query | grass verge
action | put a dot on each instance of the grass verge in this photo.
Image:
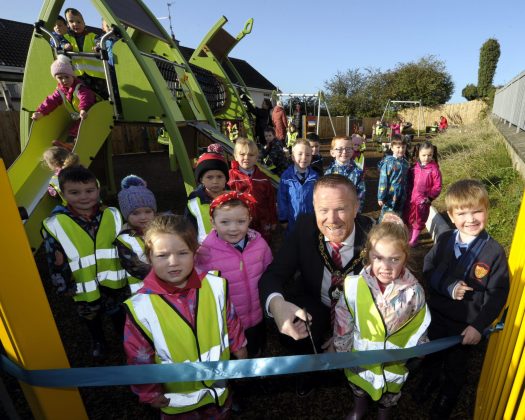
(478, 151)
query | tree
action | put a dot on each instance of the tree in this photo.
(488, 61)
(365, 93)
(470, 92)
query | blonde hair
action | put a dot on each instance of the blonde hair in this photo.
(242, 143)
(173, 224)
(59, 158)
(301, 142)
(466, 193)
(332, 144)
(393, 231)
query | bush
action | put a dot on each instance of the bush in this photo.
(470, 92)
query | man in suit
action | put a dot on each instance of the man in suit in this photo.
(314, 260)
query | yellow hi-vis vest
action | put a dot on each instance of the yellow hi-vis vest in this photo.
(360, 161)
(201, 212)
(92, 262)
(72, 107)
(175, 341)
(136, 244)
(370, 334)
(90, 65)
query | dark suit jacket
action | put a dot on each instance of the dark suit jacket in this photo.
(300, 253)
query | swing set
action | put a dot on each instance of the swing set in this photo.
(318, 101)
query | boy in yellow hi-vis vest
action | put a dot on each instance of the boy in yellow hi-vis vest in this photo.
(76, 97)
(82, 259)
(180, 316)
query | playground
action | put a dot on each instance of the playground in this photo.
(188, 104)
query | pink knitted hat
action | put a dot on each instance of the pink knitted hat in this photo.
(62, 65)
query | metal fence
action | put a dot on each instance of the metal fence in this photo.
(509, 102)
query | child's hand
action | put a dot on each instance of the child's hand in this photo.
(380, 203)
(160, 401)
(471, 336)
(459, 291)
(83, 114)
(36, 116)
(242, 353)
(328, 345)
(68, 47)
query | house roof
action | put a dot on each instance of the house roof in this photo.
(16, 36)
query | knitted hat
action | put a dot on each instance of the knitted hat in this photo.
(62, 65)
(135, 194)
(208, 162)
(215, 148)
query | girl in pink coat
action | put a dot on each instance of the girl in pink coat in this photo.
(424, 183)
(241, 255)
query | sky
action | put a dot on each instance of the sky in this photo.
(299, 45)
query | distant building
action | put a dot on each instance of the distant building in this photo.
(15, 38)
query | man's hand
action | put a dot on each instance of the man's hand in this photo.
(459, 291)
(380, 203)
(289, 318)
(471, 336)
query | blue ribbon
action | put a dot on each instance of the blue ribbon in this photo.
(205, 371)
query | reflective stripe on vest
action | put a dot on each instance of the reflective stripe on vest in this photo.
(90, 65)
(370, 334)
(203, 222)
(91, 262)
(175, 341)
(360, 161)
(72, 107)
(136, 244)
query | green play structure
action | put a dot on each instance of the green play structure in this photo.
(188, 101)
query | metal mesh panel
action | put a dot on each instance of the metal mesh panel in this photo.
(212, 88)
(169, 73)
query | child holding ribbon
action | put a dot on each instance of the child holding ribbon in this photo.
(241, 255)
(181, 316)
(381, 308)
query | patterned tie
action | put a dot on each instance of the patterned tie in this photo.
(336, 279)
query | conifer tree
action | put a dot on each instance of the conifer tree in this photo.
(488, 61)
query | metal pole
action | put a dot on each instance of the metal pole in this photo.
(318, 114)
(329, 116)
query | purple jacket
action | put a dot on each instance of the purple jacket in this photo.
(424, 182)
(242, 270)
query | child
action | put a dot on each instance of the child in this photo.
(383, 307)
(395, 128)
(82, 259)
(317, 159)
(291, 136)
(70, 92)
(56, 159)
(59, 30)
(138, 207)
(273, 154)
(246, 177)
(468, 279)
(89, 69)
(241, 255)
(296, 188)
(358, 155)
(180, 316)
(211, 174)
(393, 170)
(424, 185)
(342, 151)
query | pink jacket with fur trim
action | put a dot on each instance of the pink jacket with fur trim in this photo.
(242, 270)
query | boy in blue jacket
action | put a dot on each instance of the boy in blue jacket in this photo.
(296, 188)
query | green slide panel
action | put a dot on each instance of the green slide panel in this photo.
(29, 178)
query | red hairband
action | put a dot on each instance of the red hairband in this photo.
(246, 198)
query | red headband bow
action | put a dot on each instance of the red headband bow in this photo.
(246, 198)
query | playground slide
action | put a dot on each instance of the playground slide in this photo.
(29, 178)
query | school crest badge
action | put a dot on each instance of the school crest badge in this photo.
(481, 270)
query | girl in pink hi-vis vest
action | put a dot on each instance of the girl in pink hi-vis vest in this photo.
(241, 255)
(424, 185)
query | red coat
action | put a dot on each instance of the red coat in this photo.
(280, 122)
(260, 186)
